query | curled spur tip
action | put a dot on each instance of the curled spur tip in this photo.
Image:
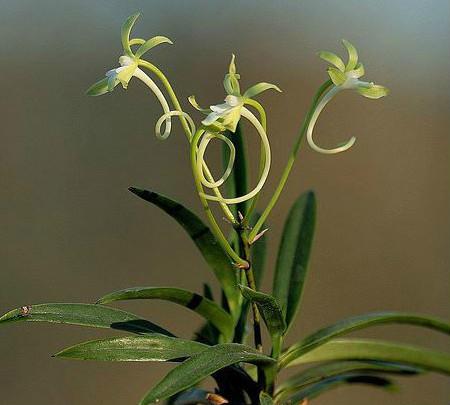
(309, 134)
(208, 136)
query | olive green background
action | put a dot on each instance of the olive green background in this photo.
(71, 232)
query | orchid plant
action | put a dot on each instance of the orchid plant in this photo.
(245, 373)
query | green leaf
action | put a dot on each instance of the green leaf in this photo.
(154, 347)
(195, 302)
(259, 88)
(190, 397)
(200, 366)
(151, 43)
(327, 384)
(318, 373)
(376, 350)
(205, 242)
(360, 322)
(93, 315)
(99, 88)
(270, 310)
(265, 399)
(293, 255)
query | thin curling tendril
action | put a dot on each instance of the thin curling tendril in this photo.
(264, 173)
(208, 137)
(309, 134)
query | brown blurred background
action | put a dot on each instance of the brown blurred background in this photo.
(71, 231)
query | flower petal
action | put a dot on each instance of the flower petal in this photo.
(231, 119)
(375, 91)
(212, 117)
(358, 71)
(99, 88)
(151, 43)
(259, 88)
(336, 76)
(232, 67)
(194, 104)
(231, 80)
(220, 108)
(333, 59)
(136, 41)
(125, 73)
(125, 33)
(352, 55)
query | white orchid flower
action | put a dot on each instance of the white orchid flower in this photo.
(344, 77)
(226, 116)
(130, 63)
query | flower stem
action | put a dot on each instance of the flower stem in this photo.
(290, 163)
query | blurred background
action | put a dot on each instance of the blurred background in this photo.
(70, 230)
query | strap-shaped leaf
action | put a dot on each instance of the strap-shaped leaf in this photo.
(154, 347)
(201, 366)
(293, 255)
(327, 384)
(205, 242)
(270, 310)
(318, 373)
(221, 319)
(360, 322)
(93, 315)
(377, 350)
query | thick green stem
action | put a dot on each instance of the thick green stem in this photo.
(290, 163)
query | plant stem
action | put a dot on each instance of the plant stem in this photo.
(257, 336)
(290, 163)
